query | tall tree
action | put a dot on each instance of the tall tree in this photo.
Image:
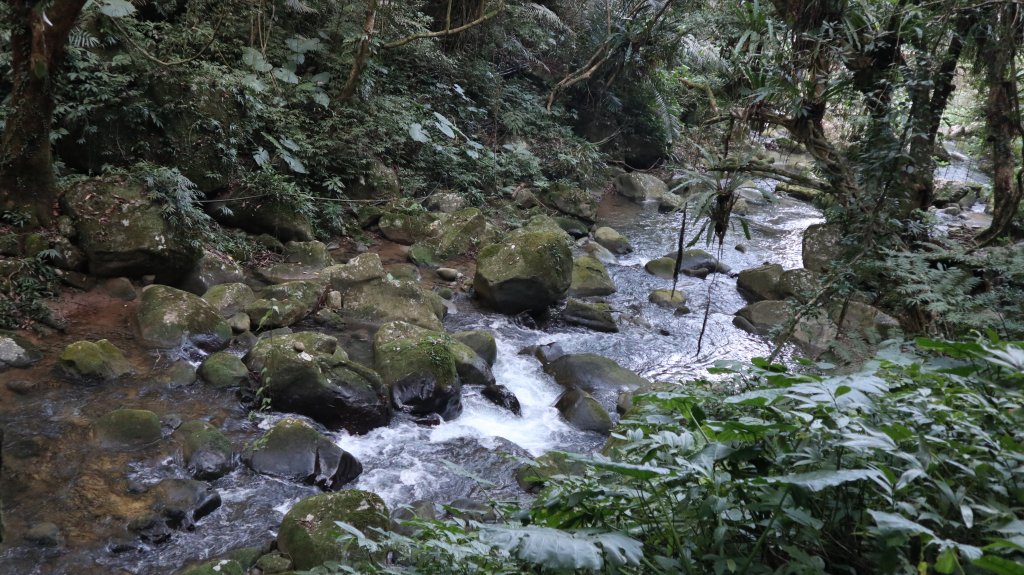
(39, 37)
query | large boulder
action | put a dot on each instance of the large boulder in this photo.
(284, 304)
(259, 213)
(229, 299)
(295, 451)
(480, 341)
(530, 270)
(571, 200)
(205, 451)
(308, 533)
(594, 374)
(590, 278)
(16, 351)
(307, 373)
(457, 234)
(811, 334)
(594, 316)
(359, 270)
(821, 246)
(612, 240)
(639, 187)
(168, 318)
(418, 367)
(93, 362)
(408, 227)
(584, 412)
(800, 284)
(212, 269)
(123, 232)
(387, 300)
(760, 283)
(865, 320)
(376, 181)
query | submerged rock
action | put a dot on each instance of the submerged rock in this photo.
(308, 533)
(590, 278)
(127, 429)
(295, 451)
(168, 318)
(93, 361)
(584, 412)
(530, 270)
(206, 452)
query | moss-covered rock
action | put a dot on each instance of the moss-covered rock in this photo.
(206, 452)
(168, 317)
(812, 334)
(306, 373)
(760, 283)
(360, 269)
(217, 567)
(821, 246)
(801, 193)
(295, 451)
(309, 536)
(127, 429)
(590, 278)
(419, 369)
(532, 477)
(599, 252)
(661, 267)
(281, 219)
(457, 234)
(403, 272)
(183, 502)
(594, 316)
(408, 227)
(123, 232)
(284, 304)
(480, 341)
(612, 240)
(230, 298)
(668, 299)
(273, 564)
(223, 369)
(394, 300)
(445, 202)
(376, 181)
(670, 202)
(800, 284)
(597, 375)
(302, 261)
(571, 200)
(530, 270)
(583, 411)
(638, 186)
(93, 361)
(698, 263)
(16, 351)
(212, 269)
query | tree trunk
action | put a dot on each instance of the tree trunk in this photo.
(38, 43)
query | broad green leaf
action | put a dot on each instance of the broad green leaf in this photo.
(620, 549)
(417, 134)
(818, 480)
(552, 548)
(322, 99)
(254, 59)
(893, 523)
(294, 164)
(999, 565)
(286, 75)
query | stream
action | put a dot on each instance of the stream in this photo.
(52, 476)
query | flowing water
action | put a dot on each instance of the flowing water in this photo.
(88, 496)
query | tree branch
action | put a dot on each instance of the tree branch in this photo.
(447, 31)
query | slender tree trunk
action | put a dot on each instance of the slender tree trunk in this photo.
(39, 35)
(362, 53)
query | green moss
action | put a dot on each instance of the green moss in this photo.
(100, 360)
(309, 535)
(127, 428)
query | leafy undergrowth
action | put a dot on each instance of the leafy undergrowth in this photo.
(913, 465)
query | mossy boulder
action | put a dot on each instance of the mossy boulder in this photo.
(670, 202)
(359, 270)
(408, 227)
(530, 270)
(612, 240)
(583, 412)
(273, 564)
(307, 373)
(123, 232)
(760, 283)
(639, 187)
(418, 367)
(205, 451)
(599, 252)
(597, 375)
(302, 261)
(698, 263)
(445, 202)
(127, 429)
(376, 181)
(457, 234)
(222, 370)
(394, 300)
(230, 298)
(867, 321)
(668, 299)
(590, 278)
(16, 351)
(183, 502)
(533, 476)
(295, 451)
(802, 193)
(480, 341)
(281, 219)
(284, 304)
(93, 361)
(308, 533)
(800, 284)
(661, 267)
(575, 228)
(593, 316)
(571, 200)
(812, 334)
(821, 246)
(169, 317)
(212, 269)
(217, 567)
(471, 367)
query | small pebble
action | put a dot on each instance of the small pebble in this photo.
(299, 346)
(21, 386)
(741, 248)
(448, 274)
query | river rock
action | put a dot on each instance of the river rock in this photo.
(800, 284)
(316, 379)
(480, 341)
(281, 219)
(403, 272)
(448, 274)
(44, 534)
(295, 451)
(359, 270)
(698, 263)
(230, 298)
(212, 269)
(661, 267)
(223, 369)
(457, 234)
(583, 411)
(309, 536)
(821, 246)
(217, 567)
(812, 334)
(168, 318)
(418, 367)
(865, 320)
(545, 353)
(127, 429)
(183, 502)
(303, 261)
(93, 362)
(123, 232)
(530, 270)
(284, 304)
(119, 288)
(206, 452)
(597, 375)
(599, 252)
(668, 299)
(387, 300)
(532, 476)
(571, 200)
(445, 202)
(670, 202)
(639, 187)
(756, 284)
(408, 227)
(612, 240)
(502, 397)
(273, 564)
(16, 351)
(594, 316)
(590, 278)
